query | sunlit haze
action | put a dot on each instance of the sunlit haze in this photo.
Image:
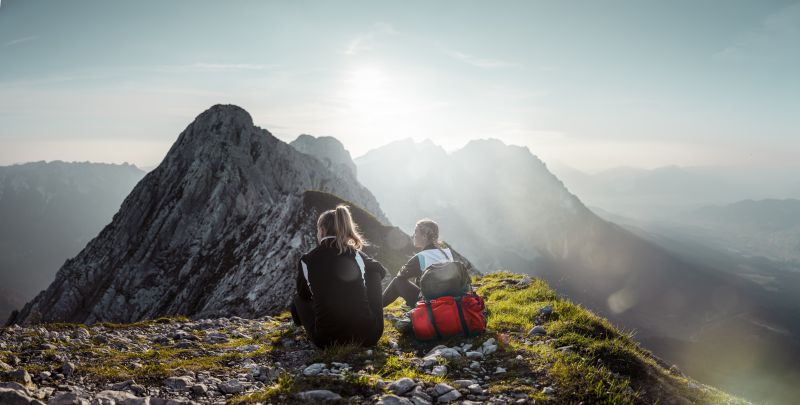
(586, 84)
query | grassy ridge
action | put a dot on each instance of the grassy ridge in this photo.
(589, 359)
(583, 356)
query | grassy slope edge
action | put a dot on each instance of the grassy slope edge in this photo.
(583, 356)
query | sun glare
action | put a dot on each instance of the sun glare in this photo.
(367, 85)
(380, 104)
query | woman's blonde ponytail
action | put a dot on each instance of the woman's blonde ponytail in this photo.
(339, 224)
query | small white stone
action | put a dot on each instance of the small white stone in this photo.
(314, 369)
(439, 370)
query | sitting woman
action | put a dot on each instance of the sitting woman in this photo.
(406, 283)
(339, 287)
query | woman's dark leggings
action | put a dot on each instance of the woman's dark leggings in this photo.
(401, 287)
(303, 313)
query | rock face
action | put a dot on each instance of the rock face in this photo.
(328, 150)
(215, 229)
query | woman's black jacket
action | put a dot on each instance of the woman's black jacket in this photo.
(346, 306)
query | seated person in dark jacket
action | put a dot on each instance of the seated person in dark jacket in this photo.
(406, 283)
(339, 287)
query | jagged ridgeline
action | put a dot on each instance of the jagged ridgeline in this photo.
(215, 230)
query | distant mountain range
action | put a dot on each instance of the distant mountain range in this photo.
(505, 209)
(768, 228)
(9, 301)
(48, 212)
(658, 194)
(503, 206)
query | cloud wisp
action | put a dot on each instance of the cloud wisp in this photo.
(778, 30)
(366, 42)
(201, 67)
(483, 63)
(20, 40)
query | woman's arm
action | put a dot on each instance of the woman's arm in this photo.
(374, 272)
(411, 269)
(374, 266)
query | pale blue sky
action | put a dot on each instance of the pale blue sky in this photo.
(588, 83)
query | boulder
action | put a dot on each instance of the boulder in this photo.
(402, 386)
(319, 396)
(9, 396)
(231, 386)
(179, 383)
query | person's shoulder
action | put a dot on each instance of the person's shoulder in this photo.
(413, 262)
(435, 249)
(317, 251)
(364, 254)
(366, 257)
(414, 257)
(424, 252)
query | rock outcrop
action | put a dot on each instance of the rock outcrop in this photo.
(328, 150)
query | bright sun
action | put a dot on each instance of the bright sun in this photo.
(367, 85)
(382, 104)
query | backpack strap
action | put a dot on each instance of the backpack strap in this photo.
(464, 326)
(446, 256)
(433, 320)
(468, 281)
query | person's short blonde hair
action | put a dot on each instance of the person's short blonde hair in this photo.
(429, 229)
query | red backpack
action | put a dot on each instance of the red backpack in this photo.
(449, 316)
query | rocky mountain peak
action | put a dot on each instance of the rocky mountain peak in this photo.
(213, 133)
(216, 228)
(221, 120)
